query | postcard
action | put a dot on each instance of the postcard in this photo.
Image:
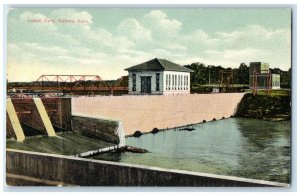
(149, 96)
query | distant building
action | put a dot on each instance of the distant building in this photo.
(261, 76)
(157, 77)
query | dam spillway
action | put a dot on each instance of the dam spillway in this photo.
(147, 112)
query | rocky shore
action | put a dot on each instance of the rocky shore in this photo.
(271, 108)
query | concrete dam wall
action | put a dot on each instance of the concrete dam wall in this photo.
(147, 112)
(25, 168)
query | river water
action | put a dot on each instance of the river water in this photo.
(236, 146)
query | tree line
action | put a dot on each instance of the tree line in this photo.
(209, 74)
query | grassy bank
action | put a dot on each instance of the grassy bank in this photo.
(208, 88)
(276, 107)
(66, 143)
(273, 93)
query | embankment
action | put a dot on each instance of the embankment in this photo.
(104, 130)
(147, 112)
(273, 108)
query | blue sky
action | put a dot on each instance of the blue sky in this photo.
(112, 39)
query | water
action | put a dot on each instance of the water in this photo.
(238, 147)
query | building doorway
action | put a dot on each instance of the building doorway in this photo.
(146, 84)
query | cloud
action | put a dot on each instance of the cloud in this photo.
(227, 56)
(255, 36)
(132, 29)
(247, 44)
(256, 43)
(91, 49)
(160, 24)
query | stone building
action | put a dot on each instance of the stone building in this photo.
(158, 77)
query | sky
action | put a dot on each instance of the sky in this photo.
(105, 41)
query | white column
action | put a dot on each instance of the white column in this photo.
(13, 117)
(44, 116)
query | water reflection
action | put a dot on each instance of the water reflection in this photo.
(240, 147)
(266, 150)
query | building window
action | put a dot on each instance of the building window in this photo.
(157, 81)
(187, 82)
(167, 82)
(175, 82)
(181, 82)
(133, 82)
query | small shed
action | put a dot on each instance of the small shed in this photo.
(158, 77)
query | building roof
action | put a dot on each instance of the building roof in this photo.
(158, 65)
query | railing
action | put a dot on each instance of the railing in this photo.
(33, 95)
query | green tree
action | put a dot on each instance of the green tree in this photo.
(285, 77)
(242, 74)
(199, 76)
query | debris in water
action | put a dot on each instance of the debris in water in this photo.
(135, 149)
(187, 129)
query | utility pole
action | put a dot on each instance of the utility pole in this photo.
(209, 66)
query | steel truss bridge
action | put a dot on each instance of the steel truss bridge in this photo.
(73, 83)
